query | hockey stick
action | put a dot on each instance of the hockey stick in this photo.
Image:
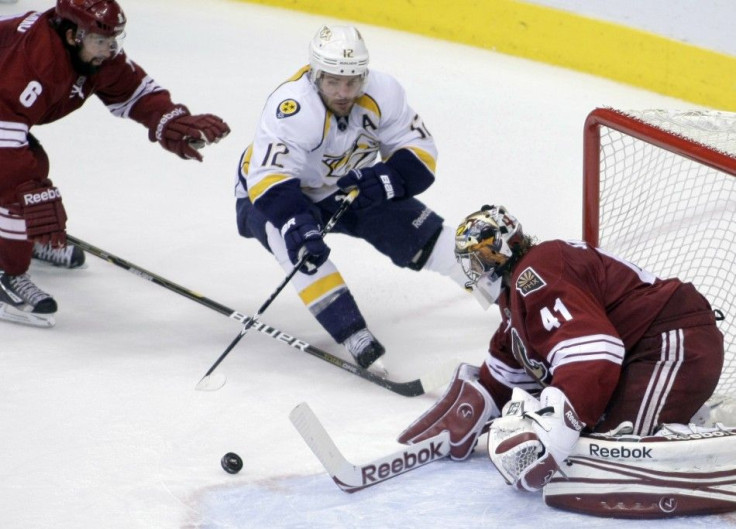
(412, 388)
(352, 478)
(207, 383)
(420, 386)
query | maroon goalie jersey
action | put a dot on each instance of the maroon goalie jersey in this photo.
(568, 318)
(39, 85)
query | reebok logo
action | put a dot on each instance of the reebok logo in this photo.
(47, 195)
(178, 111)
(465, 411)
(668, 504)
(406, 461)
(623, 452)
(571, 419)
(701, 435)
(417, 222)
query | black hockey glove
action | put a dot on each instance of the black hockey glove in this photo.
(376, 184)
(302, 236)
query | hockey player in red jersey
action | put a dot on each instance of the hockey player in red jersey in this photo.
(587, 342)
(52, 62)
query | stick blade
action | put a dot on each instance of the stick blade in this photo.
(352, 478)
(318, 440)
(211, 382)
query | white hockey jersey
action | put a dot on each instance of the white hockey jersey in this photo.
(299, 138)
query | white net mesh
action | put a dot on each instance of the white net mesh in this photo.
(512, 446)
(672, 215)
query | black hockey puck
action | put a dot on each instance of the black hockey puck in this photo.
(231, 462)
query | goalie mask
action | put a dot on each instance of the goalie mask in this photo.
(486, 243)
(338, 50)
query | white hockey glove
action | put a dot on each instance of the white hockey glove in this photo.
(529, 444)
(464, 410)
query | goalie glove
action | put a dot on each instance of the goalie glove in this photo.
(529, 444)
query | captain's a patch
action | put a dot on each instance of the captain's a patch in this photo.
(288, 107)
(529, 281)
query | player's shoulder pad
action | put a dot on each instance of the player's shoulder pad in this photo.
(386, 91)
(295, 113)
(39, 44)
(382, 83)
(542, 266)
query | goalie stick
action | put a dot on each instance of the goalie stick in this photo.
(352, 478)
(412, 388)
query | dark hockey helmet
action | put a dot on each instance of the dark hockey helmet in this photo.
(102, 17)
(487, 242)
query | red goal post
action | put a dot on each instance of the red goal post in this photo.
(659, 190)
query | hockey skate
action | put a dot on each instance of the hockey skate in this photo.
(69, 256)
(366, 350)
(21, 301)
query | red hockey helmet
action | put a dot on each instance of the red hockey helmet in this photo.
(103, 17)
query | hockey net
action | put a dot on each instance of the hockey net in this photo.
(660, 191)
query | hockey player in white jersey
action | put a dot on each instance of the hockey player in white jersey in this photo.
(333, 126)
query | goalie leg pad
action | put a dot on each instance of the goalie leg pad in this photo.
(683, 470)
(463, 410)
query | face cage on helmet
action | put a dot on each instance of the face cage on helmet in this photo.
(473, 267)
(482, 261)
(116, 41)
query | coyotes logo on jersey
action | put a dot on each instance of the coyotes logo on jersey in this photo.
(529, 281)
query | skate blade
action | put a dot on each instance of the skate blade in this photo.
(9, 313)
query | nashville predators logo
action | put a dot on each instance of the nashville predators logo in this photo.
(288, 107)
(529, 281)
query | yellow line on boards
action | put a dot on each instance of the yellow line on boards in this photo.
(552, 36)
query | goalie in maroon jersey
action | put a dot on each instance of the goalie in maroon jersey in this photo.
(52, 62)
(587, 343)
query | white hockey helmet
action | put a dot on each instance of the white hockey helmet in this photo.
(487, 241)
(338, 50)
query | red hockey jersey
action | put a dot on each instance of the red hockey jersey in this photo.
(568, 318)
(39, 85)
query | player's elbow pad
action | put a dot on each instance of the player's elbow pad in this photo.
(415, 175)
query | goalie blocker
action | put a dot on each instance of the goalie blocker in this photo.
(463, 410)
